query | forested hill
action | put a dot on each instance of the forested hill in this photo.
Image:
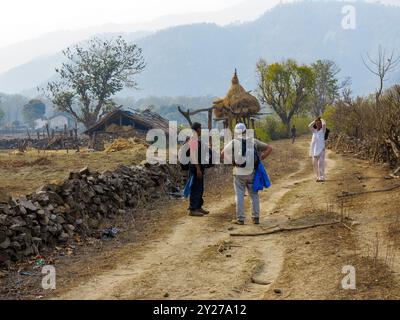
(199, 59)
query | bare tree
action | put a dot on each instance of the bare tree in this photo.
(381, 66)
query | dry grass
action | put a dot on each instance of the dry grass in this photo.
(23, 173)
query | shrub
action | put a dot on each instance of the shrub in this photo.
(272, 128)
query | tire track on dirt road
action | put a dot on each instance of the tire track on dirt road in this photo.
(198, 259)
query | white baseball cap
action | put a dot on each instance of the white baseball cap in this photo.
(240, 128)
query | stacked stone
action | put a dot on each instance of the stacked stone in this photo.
(55, 213)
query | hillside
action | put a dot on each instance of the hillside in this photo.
(199, 59)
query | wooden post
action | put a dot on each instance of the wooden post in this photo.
(210, 116)
(48, 130)
(38, 135)
(65, 130)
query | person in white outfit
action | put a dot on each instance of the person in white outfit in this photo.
(317, 148)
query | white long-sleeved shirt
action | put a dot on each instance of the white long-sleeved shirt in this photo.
(318, 139)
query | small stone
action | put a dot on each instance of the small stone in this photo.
(3, 219)
(40, 213)
(93, 223)
(70, 227)
(3, 236)
(16, 245)
(84, 171)
(22, 210)
(27, 204)
(278, 291)
(63, 237)
(45, 221)
(166, 295)
(60, 220)
(98, 189)
(5, 244)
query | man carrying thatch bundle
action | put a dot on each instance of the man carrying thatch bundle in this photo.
(247, 174)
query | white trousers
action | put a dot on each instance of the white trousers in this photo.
(319, 165)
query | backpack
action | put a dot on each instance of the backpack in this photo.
(244, 151)
(327, 131)
(184, 167)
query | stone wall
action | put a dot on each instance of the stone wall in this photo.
(55, 213)
(350, 145)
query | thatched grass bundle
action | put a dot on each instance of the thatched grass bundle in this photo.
(238, 100)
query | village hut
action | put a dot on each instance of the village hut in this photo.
(238, 104)
(119, 121)
(124, 124)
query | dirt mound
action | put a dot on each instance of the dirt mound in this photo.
(121, 144)
(42, 161)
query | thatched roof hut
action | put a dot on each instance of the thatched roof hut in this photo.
(237, 103)
(123, 120)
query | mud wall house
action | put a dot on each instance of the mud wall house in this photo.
(60, 121)
(40, 124)
(123, 123)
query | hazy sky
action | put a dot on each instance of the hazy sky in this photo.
(24, 19)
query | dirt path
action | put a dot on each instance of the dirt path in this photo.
(196, 258)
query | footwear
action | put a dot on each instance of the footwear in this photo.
(239, 222)
(203, 211)
(195, 213)
(256, 220)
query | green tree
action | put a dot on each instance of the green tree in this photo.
(326, 86)
(92, 75)
(286, 87)
(34, 109)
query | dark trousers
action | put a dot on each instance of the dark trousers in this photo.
(197, 191)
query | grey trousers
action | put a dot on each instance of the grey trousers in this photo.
(241, 183)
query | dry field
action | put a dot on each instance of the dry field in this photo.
(22, 173)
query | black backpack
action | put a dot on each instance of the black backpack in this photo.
(186, 167)
(244, 151)
(327, 131)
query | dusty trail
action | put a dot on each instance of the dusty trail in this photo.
(197, 258)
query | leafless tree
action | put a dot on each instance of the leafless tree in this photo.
(381, 66)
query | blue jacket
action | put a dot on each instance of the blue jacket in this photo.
(261, 179)
(188, 186)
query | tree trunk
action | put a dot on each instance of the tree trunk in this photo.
(287, 124)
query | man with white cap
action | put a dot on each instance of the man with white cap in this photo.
(244, 152)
